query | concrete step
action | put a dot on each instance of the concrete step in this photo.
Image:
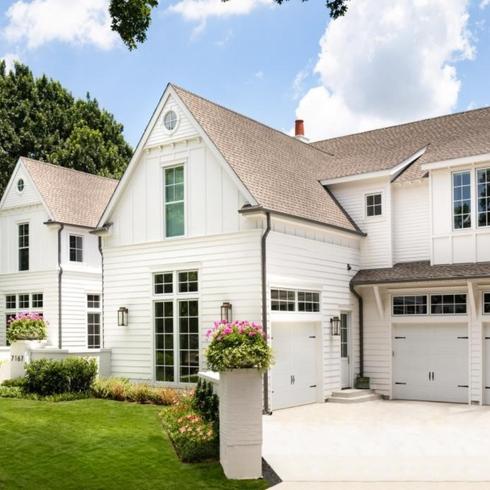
(353, 396)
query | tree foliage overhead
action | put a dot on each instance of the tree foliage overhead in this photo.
(132, 18)
(40, 119)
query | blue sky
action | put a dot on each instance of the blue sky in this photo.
(266, 61)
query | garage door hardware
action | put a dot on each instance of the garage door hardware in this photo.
(312, 386)
(487, 338)
(463, 337)
(463, 386)
(398, 383)
(431, 375)
(487, 387)
(293, 379)
(400, 337)
(312, 337)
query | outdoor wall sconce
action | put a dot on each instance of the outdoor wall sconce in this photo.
(122, 317)
(226, 310)
(335, 325)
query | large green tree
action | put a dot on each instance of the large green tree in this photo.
(40, 119)
(132, 18)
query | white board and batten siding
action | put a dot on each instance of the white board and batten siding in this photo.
(451, 246)
(303, 258)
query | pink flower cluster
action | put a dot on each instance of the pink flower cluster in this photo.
(26, 315)
(223, 328)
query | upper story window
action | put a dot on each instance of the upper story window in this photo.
(174, 201)
(76, 248)
(483, 192)
(23, 234)
(462, 200)
(374, 204)
(170, 120)
(20, 185)
(410, 305)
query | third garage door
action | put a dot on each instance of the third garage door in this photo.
(430, 362)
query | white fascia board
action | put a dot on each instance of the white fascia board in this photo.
(141, 147)
(454, 162)
(380, 173)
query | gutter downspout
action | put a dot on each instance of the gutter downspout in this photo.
(102, 291)
(361, 328)
(60, 282)
(264, 303)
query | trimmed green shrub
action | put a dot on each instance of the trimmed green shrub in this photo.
(17, 382)
(238, 345)
(26, 326)
(123, 390)
(16, 392)
(194, 438)
(50, 377)
(206, 402)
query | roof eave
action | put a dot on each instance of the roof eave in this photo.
(454, 162)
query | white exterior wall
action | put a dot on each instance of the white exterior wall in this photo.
(229, 270)
(300, 257)
(376, 248)
(411, 222)
(455, 246)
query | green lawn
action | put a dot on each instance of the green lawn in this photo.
(88, 444)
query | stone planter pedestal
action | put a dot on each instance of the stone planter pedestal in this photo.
(20, 354)
(240, 412)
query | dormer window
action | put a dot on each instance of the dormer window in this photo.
(20, 185)
(374, 204)
(76, 248)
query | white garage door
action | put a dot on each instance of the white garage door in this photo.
(294, 376)
(430, 362)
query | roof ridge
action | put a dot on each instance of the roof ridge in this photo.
(62, 167)
(308, 145)
(442, 116)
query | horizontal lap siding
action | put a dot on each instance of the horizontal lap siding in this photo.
(303, 262)
(32, 282)
(229, 269)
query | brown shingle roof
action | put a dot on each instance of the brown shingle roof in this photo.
(421, 271)
(72, 197)
(280, 172)
(452, 136)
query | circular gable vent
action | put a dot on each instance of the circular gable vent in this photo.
(170, 120)
(20, 185)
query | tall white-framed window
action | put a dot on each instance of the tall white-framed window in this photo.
(174, 201)
(23, 243)
(93, 321)
(483, 196)
(461, 200)
(374, 204)
(76, 248)
(176, 325)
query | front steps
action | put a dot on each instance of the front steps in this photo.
(351, 395)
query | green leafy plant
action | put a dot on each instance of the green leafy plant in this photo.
(26, 326)
(206, 402)
(194, 438)
(50, 377)
(238, 345)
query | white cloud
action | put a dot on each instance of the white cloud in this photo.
(259, 75)
(38, 22)
(201, 10)
(386, 62)
(298, 82)
(484, 3)
(10, 59)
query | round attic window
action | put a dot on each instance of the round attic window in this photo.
(170, 120)
(20, 185)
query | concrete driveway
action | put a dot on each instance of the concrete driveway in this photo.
(379, 441)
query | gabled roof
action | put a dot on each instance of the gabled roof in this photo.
(422, 271)
(282, 173)
(72, 197)
(448, 137)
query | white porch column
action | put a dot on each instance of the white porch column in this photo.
(240, 412)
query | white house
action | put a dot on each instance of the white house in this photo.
(49, 261)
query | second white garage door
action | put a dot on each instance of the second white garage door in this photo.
(294, 375)
(430, 362)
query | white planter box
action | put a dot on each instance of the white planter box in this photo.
(240, 412)
(20, 354)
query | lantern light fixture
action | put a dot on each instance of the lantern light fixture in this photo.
(335, 325)
(122, 317)
(226, 312)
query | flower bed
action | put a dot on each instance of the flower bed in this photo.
(26, 326)
(238, 345)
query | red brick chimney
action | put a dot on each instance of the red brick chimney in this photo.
(299, 130)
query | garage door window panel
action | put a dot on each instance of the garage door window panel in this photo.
(283, 300)
(448, 304)
(486, 303)
(409, 305)
(308, 301)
